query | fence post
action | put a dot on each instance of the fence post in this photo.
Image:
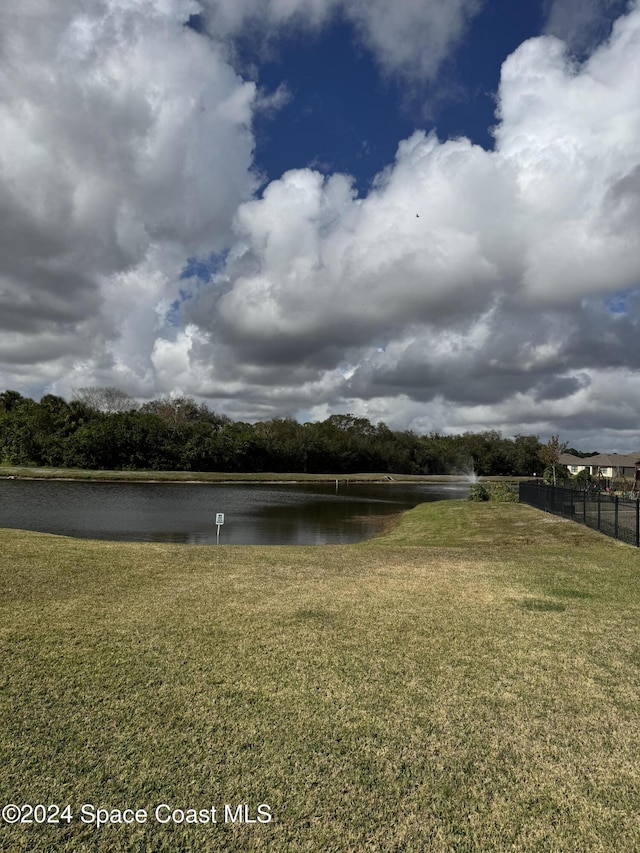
(615, 522)
(584, 507)
(637, 522)
(598, 510)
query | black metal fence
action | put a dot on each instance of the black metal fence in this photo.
(610, 514)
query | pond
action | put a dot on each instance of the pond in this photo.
(254, 513)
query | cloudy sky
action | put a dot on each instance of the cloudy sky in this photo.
(420, 212)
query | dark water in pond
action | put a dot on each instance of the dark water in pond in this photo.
(255, 514)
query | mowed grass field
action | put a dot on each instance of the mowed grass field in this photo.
(469, 681)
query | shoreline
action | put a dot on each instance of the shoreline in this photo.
(227, 478)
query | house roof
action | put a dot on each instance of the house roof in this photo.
(570, 459)
(602, 460)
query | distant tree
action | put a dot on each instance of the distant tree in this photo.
(396, 452)
(549, 455)
(20, 430)
(436, 453)
(340, 444)
(465, 462)
(104, 427)
(47, 424)
(177, 412)
(108, 400)
(126, 440)
(481, 452)
(78, 413)
(236, 448)
(281, 444)
(552, 476)
(525, 455)
(10, 400)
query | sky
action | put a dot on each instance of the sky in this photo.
(422, 213)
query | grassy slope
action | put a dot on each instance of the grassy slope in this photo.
(469, 681)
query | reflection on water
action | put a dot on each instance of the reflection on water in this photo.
(256, 513)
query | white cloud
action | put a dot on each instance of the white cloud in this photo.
(316, 268)
(581, 24)
(123, 131)
(227, 17)
(470, 267)
(570, 135)
(411, 38)
(466, 290)
(449, 225)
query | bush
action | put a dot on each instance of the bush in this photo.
(503, 493)
(584, 480)
(478, 492)
(561, 474)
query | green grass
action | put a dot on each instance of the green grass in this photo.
(217, 477)
(466, 682)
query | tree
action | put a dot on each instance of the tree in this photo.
(585, 480)
(282, 444)
(549, 455)
(10, 400)
(435, 453)
(525, 455)
(108, 400)
(17, 420)
(126, 440)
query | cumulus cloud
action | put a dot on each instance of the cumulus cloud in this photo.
(316, 269)
(581, 24)
(470, 289)
(410, 38)
(569, 133)
(466, 277)
(543, 217)
(123, 131)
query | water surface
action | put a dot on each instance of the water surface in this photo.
(255, 513)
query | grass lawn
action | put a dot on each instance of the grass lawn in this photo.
(469, 681)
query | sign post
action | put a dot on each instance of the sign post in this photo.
(219, 523)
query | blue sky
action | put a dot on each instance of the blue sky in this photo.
(418, 212)
(342, 115)
(345, 114)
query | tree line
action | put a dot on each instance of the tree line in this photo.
(104, 428)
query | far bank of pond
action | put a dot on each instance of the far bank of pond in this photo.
(148, 476)
(339, 511)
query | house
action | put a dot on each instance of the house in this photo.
(607, 466)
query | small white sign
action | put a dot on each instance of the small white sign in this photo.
(219, 518)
